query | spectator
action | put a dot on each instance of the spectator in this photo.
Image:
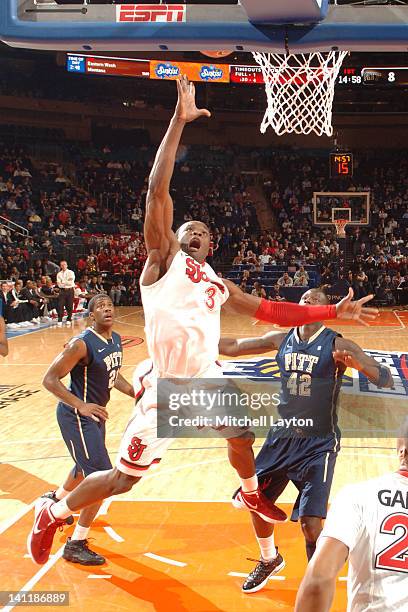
(258, 290)
(115, 293)
(285, 280)
(300, 281)
(66, 284)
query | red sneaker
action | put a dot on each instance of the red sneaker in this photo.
(40, 539)
(258, 502)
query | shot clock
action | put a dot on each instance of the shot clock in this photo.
(341, 164)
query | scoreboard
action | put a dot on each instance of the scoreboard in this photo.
(349, 76)
(379, 76)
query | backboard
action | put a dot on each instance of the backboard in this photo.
(250, 25)
(351, 206)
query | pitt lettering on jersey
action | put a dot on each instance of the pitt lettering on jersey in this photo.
(114, 360)
(389, 498)
(299, 362)
(195, 274)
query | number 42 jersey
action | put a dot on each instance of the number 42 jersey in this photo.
(371, 519)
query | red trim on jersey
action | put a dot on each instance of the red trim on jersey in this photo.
(135, 466)
(142, 389)
(403, 473)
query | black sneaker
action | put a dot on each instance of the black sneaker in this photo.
(77, 551)
(51, 495)
(257, 579)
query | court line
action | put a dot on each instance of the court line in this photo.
(100, 576)
(400, 320)
(16, 517)
(165, 559)
(37, 576)
(112, 533)
(129, 314)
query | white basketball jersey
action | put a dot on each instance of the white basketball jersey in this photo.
(182, 318)
(371, 518)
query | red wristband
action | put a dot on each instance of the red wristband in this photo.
(291, 315)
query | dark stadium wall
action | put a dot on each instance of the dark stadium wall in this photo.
(77, 119)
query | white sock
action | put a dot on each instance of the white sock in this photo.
(249, 485)
(80, 532)
(60, 510)
(60, 493)
(267, 546)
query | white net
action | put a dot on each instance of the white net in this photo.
(299, 90)
(340, 225)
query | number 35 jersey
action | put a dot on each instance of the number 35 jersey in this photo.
(310, 379)
(93, 382)
(371, 519)
(182, 318)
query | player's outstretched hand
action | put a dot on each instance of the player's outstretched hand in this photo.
(186, 108)
(347, 309)
(94, 411)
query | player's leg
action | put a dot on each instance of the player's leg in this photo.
(69, 303)
(241, 457)
(314, 486)
(137, 453)
(87, 440)
(270, 561)
(61, 302)
(311, 528)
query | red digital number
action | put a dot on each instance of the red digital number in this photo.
(395, 556)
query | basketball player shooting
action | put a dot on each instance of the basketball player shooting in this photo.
(182, 298)
(311, 360)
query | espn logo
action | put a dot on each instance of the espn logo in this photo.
(131, 13)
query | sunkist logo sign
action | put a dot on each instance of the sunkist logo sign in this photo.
(166, 71)
(131, 13)
(211, 73)
(353, 381)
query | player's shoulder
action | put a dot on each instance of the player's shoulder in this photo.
(117, 338)
(362, 491)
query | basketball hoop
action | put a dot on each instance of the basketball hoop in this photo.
(340, 225)
(299, 91)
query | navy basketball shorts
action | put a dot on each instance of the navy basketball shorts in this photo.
(85, 440)
(306, 461)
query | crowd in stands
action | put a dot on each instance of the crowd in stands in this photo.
(91, 211)
(372, 259)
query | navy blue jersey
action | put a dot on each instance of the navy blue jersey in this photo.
(310, 379)
(93, 382)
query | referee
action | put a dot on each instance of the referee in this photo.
(66, 284)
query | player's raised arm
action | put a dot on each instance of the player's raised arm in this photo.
(74, 353)
(234, 347)
(158, 232)
(3, 338)
(291, 315)
(352, 356)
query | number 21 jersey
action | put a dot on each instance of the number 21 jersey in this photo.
(371, 519)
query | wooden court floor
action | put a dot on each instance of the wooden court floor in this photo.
(174, 542)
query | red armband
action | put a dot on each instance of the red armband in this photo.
(287, 314)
